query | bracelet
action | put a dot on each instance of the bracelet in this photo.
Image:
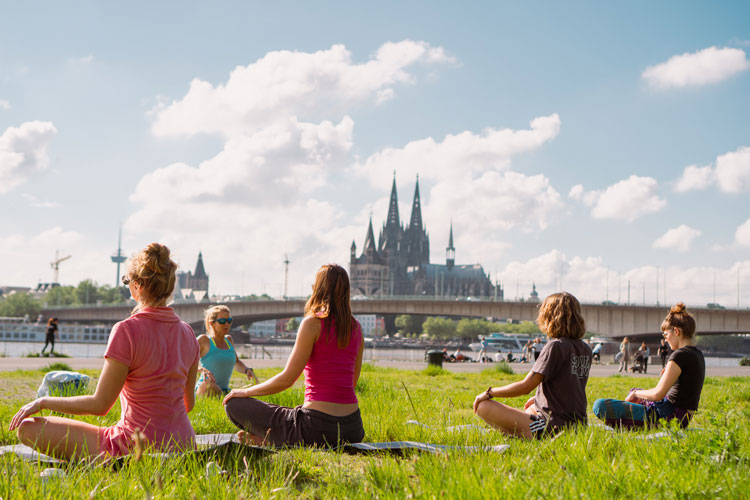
(488, 392)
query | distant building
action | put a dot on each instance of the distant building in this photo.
(534, 295)
(263, 328)
(369, 323)
(193, 284)
(399, 264)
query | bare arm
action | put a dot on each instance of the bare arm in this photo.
(240, 365)
(520, 388)
(108, 388)
(671, 374)
(189, 396)
(308, 333)
(358, 361)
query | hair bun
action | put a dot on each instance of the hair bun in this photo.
(158, 257)
(680, 307)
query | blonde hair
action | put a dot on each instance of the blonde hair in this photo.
(212, 313)
(330, 300)
(154, 270)
(560, 316)
(678, 317)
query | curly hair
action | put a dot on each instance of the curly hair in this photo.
(679, 317)
(154, 270)
(560, 316)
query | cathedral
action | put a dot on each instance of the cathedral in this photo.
(193, 284)
(399, 263)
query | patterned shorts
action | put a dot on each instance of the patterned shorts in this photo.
(538, 426)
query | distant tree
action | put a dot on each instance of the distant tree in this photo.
(473, 328)
(252, 297)
(20, 304)
(406, 323)
(292, 325)
(439, 328)
(87, 292)
(109, 295)
(525, 327)
(60, 296)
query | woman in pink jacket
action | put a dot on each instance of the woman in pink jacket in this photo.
(150, 363)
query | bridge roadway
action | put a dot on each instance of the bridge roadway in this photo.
(606, 320)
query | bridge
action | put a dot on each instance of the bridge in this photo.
(614, 321)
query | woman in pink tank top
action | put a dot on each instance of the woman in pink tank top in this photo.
(328, 349)
(151, 363)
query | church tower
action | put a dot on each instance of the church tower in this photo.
(450, 252)
(417, 241)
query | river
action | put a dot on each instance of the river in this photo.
(254, 351)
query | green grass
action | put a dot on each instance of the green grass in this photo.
(587, 462)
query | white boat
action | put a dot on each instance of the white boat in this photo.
(20, 330)
(503, 342)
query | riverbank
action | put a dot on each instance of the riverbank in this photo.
(11, 364)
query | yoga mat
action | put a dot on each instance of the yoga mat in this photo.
(210, 444)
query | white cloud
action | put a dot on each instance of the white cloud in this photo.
(22, 253)
(742, 235)
(678, 238)
(23, 151)
(626, 200)
(459, 156)
(731, 173)
(82, 60)
(704, 67)
(592, 281)
(35, 202)
(285, 83)
(469, 166)
(4, 104)
(694, 178)
(286, 175)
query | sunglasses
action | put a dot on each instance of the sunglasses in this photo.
(224, 321)
(125, 280)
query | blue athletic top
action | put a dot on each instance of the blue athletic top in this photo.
(220, 362)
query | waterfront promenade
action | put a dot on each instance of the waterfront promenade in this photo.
(23, 363)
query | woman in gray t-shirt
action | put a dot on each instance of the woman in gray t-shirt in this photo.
(559, 376)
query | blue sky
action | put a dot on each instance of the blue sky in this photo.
(600, 143)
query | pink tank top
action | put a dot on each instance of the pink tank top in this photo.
(329, 373)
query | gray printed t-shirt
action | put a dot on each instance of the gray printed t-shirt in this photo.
(561, 397)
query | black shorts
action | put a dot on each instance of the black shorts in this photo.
(283, 426)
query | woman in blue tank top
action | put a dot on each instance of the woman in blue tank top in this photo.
(218, 356)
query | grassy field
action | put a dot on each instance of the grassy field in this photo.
(588, 462)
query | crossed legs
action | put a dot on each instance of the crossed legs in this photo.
(506, 419)
(60, 437)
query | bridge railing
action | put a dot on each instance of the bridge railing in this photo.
(425, 298)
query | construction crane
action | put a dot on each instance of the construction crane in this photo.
(55, 265)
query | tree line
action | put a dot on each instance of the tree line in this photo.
(440, 328)
(85, 293)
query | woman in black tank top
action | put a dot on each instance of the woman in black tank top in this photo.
(678, 392)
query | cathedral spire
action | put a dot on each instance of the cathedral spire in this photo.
(200, 271)
(450, 252)
(393, 219)
(416, 210)
(370, 238)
